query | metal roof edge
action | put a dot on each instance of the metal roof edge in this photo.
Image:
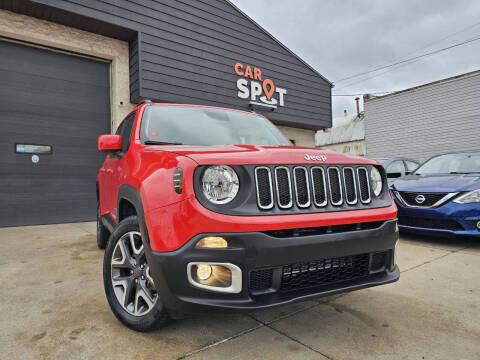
(279, 42)
(454, 77)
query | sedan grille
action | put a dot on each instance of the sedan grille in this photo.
(430, 223)
(421, 199)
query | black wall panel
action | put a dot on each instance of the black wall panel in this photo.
(185, 51)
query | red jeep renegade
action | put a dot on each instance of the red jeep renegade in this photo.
(203, 208)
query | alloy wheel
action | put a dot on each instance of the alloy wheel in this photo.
(130, 274)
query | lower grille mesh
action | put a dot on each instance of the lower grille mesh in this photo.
(324, 272)
(318, 273)
(261, 279)
(429, 223)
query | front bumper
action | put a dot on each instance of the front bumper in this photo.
(253, 251)
(451, 219)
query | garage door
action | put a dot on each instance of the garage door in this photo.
(53, 106)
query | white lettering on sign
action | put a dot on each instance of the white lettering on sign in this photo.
(260, 91)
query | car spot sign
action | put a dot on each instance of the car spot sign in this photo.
(260, 90)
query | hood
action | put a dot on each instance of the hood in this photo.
(438, 183)
(249, 154)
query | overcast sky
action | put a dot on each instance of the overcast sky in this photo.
(342, 38)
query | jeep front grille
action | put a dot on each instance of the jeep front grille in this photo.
(319, 186)
(364, 185)
(302, 189)
(311, 186)
(284, 187)
(263, 180)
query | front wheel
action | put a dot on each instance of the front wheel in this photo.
(129, 286)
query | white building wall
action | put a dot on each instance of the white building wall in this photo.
(421, 122)
(350, 147)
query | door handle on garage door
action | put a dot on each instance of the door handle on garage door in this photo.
(107, 171)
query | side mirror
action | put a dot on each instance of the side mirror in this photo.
(109, 143)
(394, 175)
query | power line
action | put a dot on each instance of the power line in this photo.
(410, 59)
(376, 75)
(439, 40)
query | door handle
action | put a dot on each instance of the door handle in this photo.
(107, 171)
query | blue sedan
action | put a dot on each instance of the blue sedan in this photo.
(441, 196)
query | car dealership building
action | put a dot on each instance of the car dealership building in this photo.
(72, 69)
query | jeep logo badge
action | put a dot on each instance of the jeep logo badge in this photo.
(420, 199)
(315, 157)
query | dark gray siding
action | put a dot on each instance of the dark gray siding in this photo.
(186, 50)
(42, 101)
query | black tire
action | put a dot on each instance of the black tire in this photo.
(102, 232)
(156, 316)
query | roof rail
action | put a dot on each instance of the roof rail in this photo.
(146, 101)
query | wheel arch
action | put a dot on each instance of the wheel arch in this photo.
(128, 198)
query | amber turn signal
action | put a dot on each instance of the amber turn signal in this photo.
(212, 242)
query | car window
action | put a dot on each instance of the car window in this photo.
(411, 165)
(120, 128)
(459, 163)
(127, 131)
(396, 167)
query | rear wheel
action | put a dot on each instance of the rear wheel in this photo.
(129, 286)
(102, 232)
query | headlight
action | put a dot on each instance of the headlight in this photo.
(468, 198)
(376, 181)
(220, 184)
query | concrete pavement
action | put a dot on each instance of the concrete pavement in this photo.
(52, 305)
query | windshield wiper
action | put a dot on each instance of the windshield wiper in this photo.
(470, 172)
(153, 142)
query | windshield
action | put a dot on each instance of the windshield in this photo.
(382, 161)
(195, 125)
(451, 164)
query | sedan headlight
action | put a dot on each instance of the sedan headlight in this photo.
(376, 181)
(220, 184)
(468, 198)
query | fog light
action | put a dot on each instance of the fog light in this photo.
(204, 271)
(212, 242)
(221, 277)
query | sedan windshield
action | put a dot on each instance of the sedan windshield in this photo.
(196, 125)
(451, 164)
(382, 161)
